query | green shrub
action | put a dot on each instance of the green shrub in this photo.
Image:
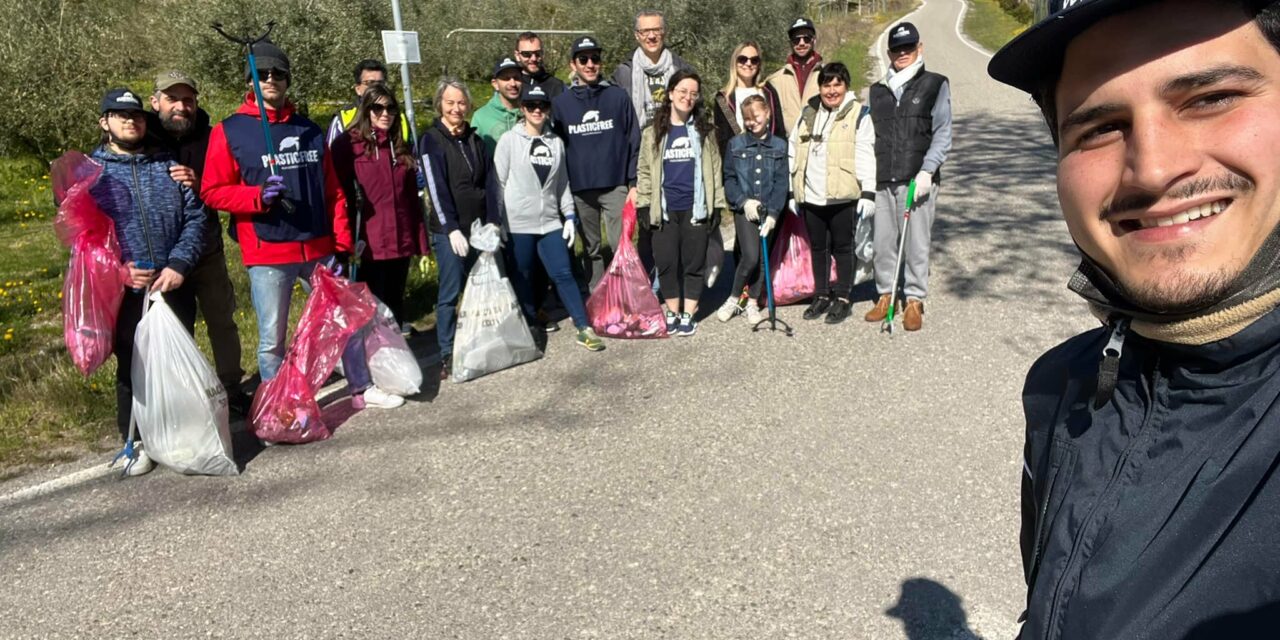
(1019, 9)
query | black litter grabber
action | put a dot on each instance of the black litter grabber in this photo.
(247, 42)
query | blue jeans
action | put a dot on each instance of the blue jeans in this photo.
(453, 277)
(551, 250)
(271, 287)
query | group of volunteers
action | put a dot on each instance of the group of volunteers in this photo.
(549, 163)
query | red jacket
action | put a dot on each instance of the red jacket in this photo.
(392, 222)
(223, 189)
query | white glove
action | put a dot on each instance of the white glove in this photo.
(795, 208)
(751, 208)
(866, 208)
(924, 184)
(767, 226)
(569, 234)
(459, 244)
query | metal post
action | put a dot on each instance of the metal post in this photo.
(404, 80)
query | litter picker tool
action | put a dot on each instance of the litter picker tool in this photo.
(768, 285)
(247, 42)
(357, 196)
(897, 266)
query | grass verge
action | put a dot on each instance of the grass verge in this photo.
(989, 25)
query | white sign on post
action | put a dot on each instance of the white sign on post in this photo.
(401, 47)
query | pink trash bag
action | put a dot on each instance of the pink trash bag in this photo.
(623, 305)
(285, 409)
(791, 257)
(95, 282)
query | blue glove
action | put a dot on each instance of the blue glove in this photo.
(272, 190)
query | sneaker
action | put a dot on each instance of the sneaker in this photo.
(141, 463)
(839, 311)
(817, 308)
(687, 326)
(548, 325)
(728, 310)
(588, 339)
(376, 398)
(753, 313)
(673, 321)
(406, 329)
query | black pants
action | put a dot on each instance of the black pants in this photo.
(387, 280)
(211, 285)
(750, 273)
(831, 232)
(680, 253)
(183, 302)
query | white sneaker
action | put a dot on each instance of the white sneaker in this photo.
(142, 463)
(379, 399)
(728, 310)
(753, 312)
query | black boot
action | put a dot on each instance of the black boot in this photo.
(839, 311)
(817, 307)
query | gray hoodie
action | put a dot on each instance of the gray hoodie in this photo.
(528, 205)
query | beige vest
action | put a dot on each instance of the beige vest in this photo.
(790, 97)
(840, 143)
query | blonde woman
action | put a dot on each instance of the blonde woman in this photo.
(744, 80)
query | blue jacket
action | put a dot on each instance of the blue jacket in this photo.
(1152, 512)
(601, 136)
(157, 220)
(756, 169)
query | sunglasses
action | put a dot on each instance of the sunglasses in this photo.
(536, 53)
(378, 109)
(801, 39)
(273, 74)
(584, 58)
(542, 107)
(749, 60)
(126, 115)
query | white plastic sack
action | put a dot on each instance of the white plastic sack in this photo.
(178, 402)
(492, 334)
(392, 364)
(863, 252)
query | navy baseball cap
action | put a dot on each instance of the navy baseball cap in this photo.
(800, 24)
(121, 99)
(534, 93)
(903, 34)
(1036, 54)
(585, 43)
(503, 65)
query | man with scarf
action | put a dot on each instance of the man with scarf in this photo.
(1150, 491)
(911, 109)
(797, 81)
(644, 77)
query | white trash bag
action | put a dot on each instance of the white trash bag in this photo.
(392, 364)
(863, 252)
(178, 402)
(492, 334)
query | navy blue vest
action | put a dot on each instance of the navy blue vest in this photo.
(299, 158)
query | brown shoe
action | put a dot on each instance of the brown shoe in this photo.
(913, 317)
(877, 313)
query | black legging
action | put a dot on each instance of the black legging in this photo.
(387, 280)
(749, 272)
(680, 251)
(831, 232)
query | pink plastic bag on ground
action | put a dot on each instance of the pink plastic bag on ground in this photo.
(791, 258)
(285, 409)
(95, 281)
(622, 305)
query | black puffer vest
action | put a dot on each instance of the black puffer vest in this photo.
(904, 128)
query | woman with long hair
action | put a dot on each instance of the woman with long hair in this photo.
(679, 195)
(377, 170)
(744, 80)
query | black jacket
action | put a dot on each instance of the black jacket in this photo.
(552, 85)
(904, 128)
(1157, 515)
(190, 151)
(460, 181)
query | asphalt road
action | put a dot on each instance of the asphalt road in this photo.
(837, 484)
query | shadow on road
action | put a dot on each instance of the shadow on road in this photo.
(930, 611)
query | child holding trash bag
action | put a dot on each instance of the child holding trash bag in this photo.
(530, 169)
(376, 167)
(679, 195)
(755, 186)
(159, 226)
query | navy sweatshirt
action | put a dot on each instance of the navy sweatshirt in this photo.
(601, 136)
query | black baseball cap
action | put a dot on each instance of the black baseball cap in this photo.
(903, 34)
(1036, 54)
(585, 43)
(503, 65)
(534, 93)
(266, 55)
(801, 23)
(120, 99)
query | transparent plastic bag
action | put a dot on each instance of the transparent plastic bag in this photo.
(492, 333)
(392, 364)
(178, 402)
(623, 304)
(791, 258)
(285, 409)
(863, 252)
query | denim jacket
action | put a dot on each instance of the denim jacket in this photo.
(756, 168)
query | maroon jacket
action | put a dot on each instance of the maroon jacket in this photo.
(392, 221)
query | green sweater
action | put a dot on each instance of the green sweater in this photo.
(492, 120)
